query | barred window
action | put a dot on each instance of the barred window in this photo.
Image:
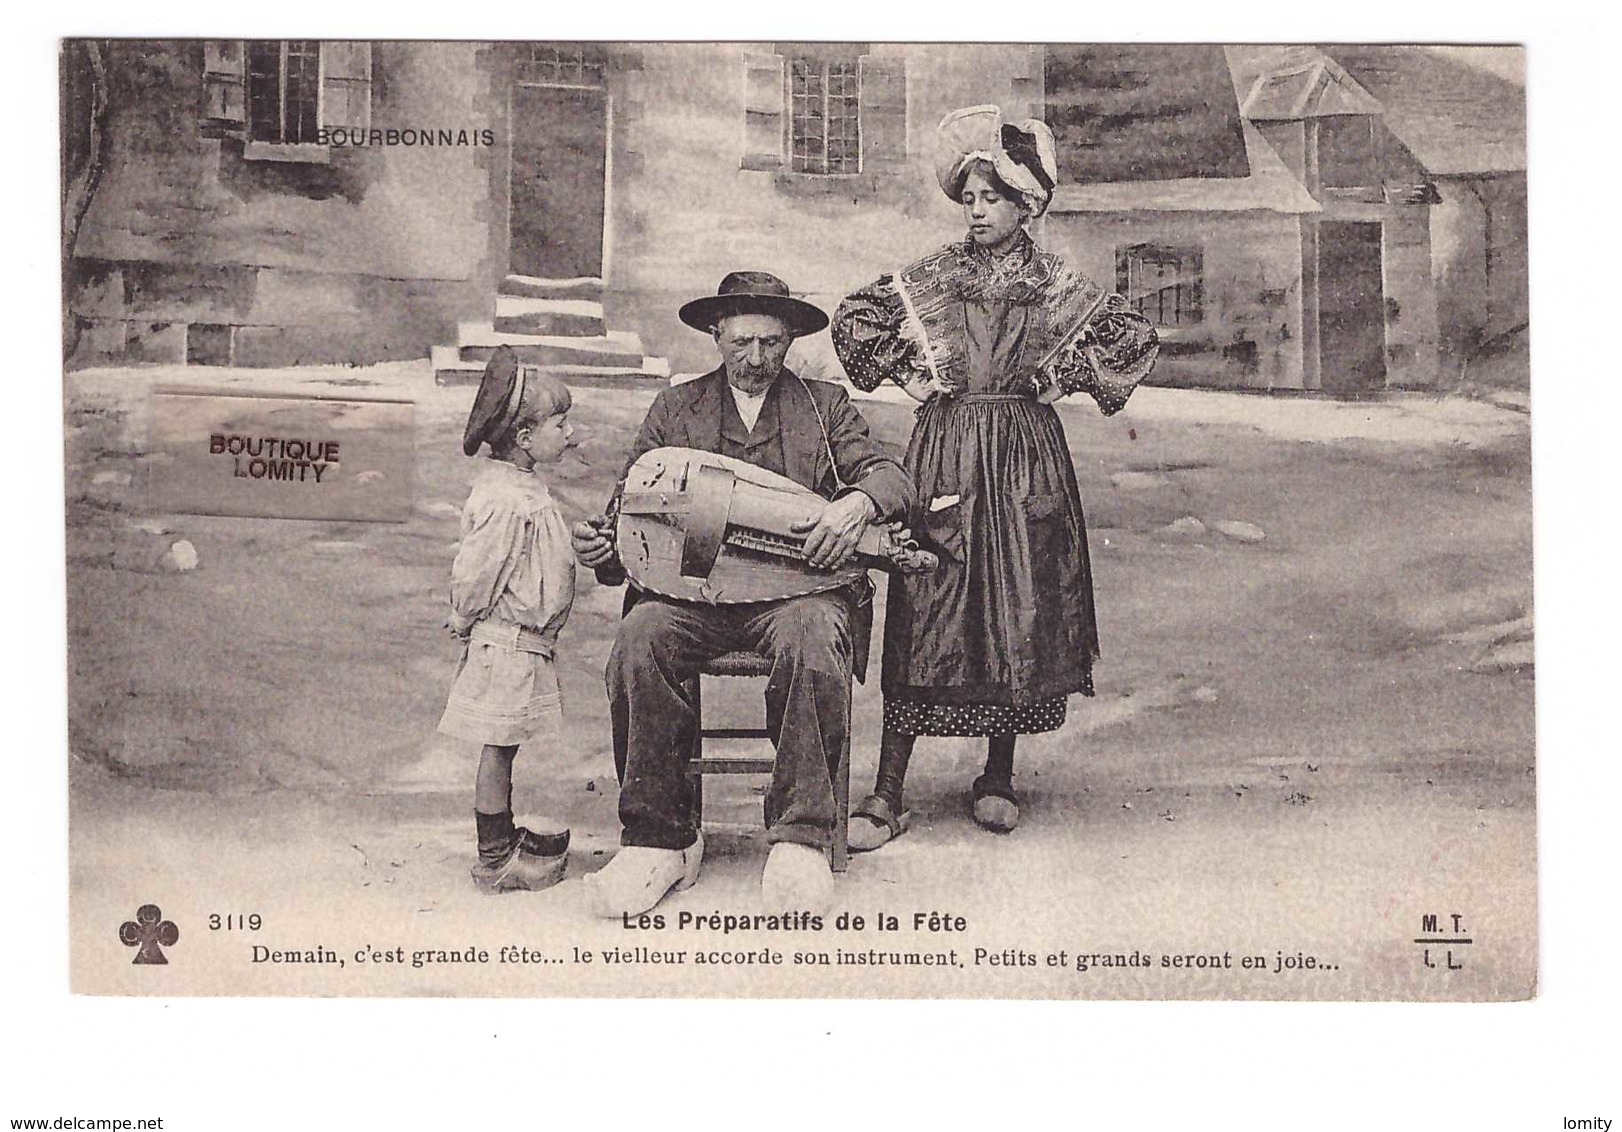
(824, 115)
(1164, 284)
(284, 90)
(563, 64)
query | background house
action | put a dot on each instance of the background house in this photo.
(1291, 218)
(1467, 128)
(1171, 194)
(222, 231)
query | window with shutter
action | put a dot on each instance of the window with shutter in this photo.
(821, 113)
(279, 95)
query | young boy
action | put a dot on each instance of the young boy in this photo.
(511, 589)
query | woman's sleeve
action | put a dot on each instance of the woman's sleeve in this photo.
(491, 534)
(1112, 354)
(867, 334)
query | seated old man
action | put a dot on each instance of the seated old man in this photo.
(753, 409)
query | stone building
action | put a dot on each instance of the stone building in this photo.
(282, 202)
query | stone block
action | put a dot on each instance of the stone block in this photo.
(163, 342)
(102, 339)
(208, 344)
(168, 292)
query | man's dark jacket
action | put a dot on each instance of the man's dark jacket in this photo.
(690, 415)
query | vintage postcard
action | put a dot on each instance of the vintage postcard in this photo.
(827, 520)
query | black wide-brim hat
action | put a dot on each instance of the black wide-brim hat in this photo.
(496, 403)
(754, 292)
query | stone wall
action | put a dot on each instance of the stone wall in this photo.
(193, 250)
(695, 212)
(1249, 335)
(1478, 236)
(373, 254)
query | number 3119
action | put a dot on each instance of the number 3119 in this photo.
(235, 921)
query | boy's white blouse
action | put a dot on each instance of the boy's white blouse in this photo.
(514, 564)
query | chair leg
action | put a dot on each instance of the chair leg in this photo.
(695, 776)
(841, 854)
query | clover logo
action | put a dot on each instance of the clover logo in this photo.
(150, 932)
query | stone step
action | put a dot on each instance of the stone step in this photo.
(486, 334)
(530, 286)
(534, 354)
(516, 314)
(450, 368)
(477, 341)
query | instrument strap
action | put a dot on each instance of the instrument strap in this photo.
(827, 444)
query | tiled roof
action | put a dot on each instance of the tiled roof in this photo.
(1309, 88)
(1271, 187)
(1143, 112)
(1454, 117)
(1457, 109)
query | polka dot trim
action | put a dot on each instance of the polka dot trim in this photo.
(973, 720)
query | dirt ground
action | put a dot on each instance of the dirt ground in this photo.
(1314, 728)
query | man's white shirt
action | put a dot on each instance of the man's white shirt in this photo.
(749, 405)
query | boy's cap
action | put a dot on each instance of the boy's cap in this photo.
(495, 406)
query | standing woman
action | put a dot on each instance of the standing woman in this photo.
(987, 333)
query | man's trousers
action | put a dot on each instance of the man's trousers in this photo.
(663, 644)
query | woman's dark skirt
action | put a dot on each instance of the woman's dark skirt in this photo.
(992, 641)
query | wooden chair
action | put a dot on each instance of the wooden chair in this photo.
(699, 764)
